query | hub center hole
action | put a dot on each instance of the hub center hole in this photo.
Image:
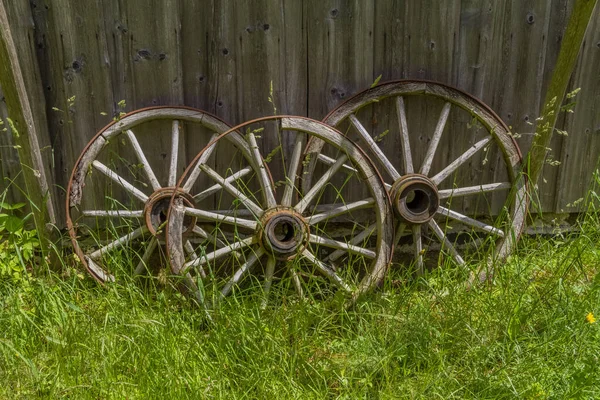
(162, 216)
(284, 232)
(417, 201)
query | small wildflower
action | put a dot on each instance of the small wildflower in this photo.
(590, 318)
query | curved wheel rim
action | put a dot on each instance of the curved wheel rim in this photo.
(455, 101)
(270, 199)
(151, 193)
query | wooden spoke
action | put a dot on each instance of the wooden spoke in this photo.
(314, 191)
(96, 255)
(269, 273)
(407, 157)
(445, 242)
(342, 246)
(346, 168)
(400, 228)
(119, 180)
(374, 147)
(249, 204)
(470, 221)
(220, 252)
(113, 213)
(143, 264)
(97, 271)
(292, 171)
(334, 212)
(174, 153)
(355, 240)
(435, 140)
(215, 188)
(469, 190)
(264, 178)
(418, 242)
(330, 161)
(189, 249)
(244, 268)
(189, 183)
(326, 270)
(142, 159)
(213, 239)
(446, 172)
(211, 216)
(297, 282)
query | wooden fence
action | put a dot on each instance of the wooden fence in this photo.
(86, 61)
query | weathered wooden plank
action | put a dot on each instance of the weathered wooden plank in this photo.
(581, 148)
(22, 127)
(340, 52)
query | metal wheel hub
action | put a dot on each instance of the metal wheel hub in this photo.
(156, 210)
(415, 198)
(283, 233)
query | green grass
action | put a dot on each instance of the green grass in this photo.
(524, 336)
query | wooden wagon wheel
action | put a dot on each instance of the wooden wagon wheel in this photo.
(118, 193)
(450, 165)
(272, 231)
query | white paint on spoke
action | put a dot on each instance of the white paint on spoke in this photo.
(341, 246)
(189, 249)
(469, 190)
(374, 147)
(143, 264)
(326, 270)
(174, 153)
(334, 212)
(113, 213)
(119, 180)
(249, 204)
(245, 267)
(265, 180)
(435, 140)
(292, 171)
(211, 216)
(118, 243)
(220, 252)
(418, 242)
(269, 273)
(215, 188)
(446, 172)
(189, 183)
(142, 159)
(470, 221)
(445, 242)
(314, 191)
(407, 157)
(354, 241)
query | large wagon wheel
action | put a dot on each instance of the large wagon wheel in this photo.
(118, 193)
(272, 230)
(450, 165)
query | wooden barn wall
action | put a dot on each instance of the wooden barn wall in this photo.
(221, 55)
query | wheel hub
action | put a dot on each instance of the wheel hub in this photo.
(415, 198)
(157, 209)
(283, 233)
